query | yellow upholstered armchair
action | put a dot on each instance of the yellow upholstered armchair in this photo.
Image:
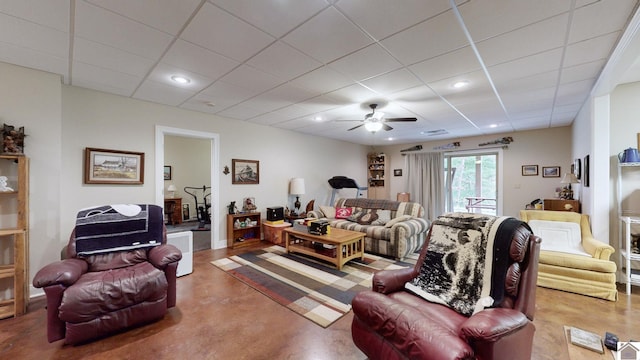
(571, 259)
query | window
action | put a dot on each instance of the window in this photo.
(472, 182)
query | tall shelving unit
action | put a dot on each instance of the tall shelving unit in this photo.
(376, 176)
(14, 239)
(624, 242)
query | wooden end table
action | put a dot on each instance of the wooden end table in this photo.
(348, 244)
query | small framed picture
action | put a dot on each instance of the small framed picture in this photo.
(551, 171)
(167, 172)
(529, 170)
(577, 168)
(245, 171)
(397, 172)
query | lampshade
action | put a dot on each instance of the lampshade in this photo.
(171, 188)
(296, 186)
(569, 178)
(373, 126)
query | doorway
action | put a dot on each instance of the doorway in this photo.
(214, 139)
(472, 182)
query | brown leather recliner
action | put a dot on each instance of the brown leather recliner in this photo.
(102, 290)
(391, 322)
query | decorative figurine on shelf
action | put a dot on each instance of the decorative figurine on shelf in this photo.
(249, 205)
(232, 208)
(3, 184)
(12, 139)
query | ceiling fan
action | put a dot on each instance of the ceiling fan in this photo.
(374, 121)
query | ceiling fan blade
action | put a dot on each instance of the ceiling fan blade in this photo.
(386, 127)
(400, 119)
(355, 127)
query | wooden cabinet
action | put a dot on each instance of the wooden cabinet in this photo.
(562, 205)
(14, 240)
(243, 229)
(376, 176)
(173, 217)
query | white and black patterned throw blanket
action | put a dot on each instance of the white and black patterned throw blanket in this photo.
(467, 255)
(118, 227)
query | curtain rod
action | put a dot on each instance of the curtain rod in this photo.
(504, 147)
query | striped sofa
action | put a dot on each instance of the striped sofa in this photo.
(399, 231)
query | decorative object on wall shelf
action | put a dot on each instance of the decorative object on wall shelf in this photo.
(249, 204)
(167, 172)
(585, 181)
(3, 185)
(12, 139)
(529, 170)
(502, 141)
(397, 172)
(116, 167)
(226, 170)
(453, 145)
(551, 171)
(245, 171)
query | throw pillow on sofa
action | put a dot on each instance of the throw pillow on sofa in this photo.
(384, 216)
(343, 213)
(367, 217)
(396, 220)
(328, 211)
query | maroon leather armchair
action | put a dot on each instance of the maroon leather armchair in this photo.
(391, 322)
(94, 293)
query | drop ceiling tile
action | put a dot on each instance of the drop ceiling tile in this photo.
(165, 15)
(28, 35)
(454, 63)
(512, 71)
(597, 48)
(102, 26)
(532, 39)
(240, 112)
(250, 78)
(437, 36)
(525, 85)
(223, 94)
(478, 83)
(368, 62)
(15, 54)
(225, 34)
(327, 36)
(280, 115)
(162, 93)
(52, 13)
(93, 77)
(283, 61)
(320, 104)
(199, 60)
(598, 18)
(276, 17)
(417, 94)
(574, 92)
(392, 82)
(531, 124)
(162, 74)
(278, 98)
(382, 18)
(90, 52)
(355, 94)
(486, 19)
(322, 80)
(585, 71)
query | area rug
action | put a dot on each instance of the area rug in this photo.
(311, 288)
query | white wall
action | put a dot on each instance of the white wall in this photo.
(546, 147)
(32, 99)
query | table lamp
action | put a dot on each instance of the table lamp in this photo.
(569, 179)
(172, 190)
(296, 187)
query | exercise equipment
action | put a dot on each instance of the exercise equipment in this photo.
(343, 182)
(203, 208)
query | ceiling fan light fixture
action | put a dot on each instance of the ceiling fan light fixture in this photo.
(373, 126)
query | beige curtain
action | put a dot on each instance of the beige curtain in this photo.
(425, 178)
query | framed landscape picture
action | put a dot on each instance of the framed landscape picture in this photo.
(116, 167)
(245, 171)
(529, 170)
(551, 171)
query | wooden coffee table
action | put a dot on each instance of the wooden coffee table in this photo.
(348, 244)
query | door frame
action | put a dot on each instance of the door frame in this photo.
(161, 132)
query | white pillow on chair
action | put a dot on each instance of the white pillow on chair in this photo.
(559, 236)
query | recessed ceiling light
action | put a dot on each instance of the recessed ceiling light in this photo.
(461, 84)
(180, 79)
(318, 118)
(493, 126)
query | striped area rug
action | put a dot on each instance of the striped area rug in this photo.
(315, 290)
